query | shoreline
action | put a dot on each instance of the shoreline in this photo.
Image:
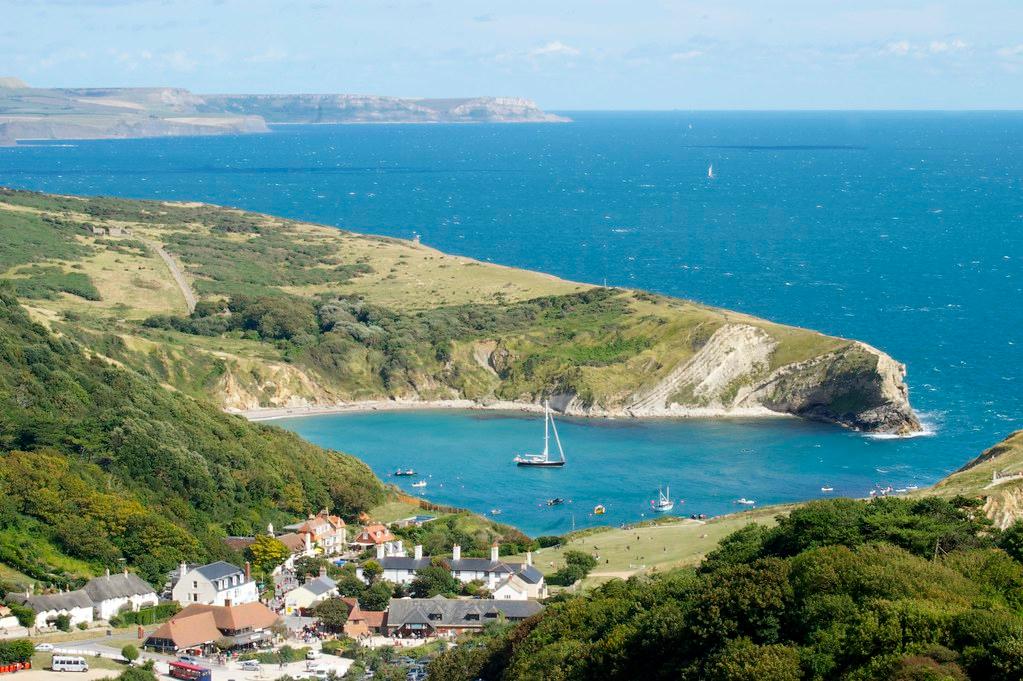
(366, 406)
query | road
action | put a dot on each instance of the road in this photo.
(175, 270)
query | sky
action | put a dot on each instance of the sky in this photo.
(566, 55)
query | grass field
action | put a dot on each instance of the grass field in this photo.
(622, 553)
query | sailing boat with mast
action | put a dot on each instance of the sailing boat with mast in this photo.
(663, 504)
(710, 172)
(544, 460)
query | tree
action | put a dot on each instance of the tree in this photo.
(267, 552)
(371, 569)
(432, 581)
(130, 653)
(20, 650)
(310, 566)
(1011, 540)
(377, 596)
(333, 613)
(62, 622)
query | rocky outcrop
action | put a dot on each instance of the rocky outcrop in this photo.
(857, 386)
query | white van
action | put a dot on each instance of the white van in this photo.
(67, 663)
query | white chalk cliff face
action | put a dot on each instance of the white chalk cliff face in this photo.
(859, 387)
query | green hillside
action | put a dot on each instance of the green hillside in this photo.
(840, 589)
(99, 464)
(293, 314)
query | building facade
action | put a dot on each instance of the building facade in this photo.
(218, 583)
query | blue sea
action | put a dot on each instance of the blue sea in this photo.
(904, 230)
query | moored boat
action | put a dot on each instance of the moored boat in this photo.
(663, 503)
(544, 459)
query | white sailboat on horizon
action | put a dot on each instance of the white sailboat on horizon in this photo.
(710, 172)
(544, 460)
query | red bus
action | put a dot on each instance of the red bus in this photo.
(189, 672)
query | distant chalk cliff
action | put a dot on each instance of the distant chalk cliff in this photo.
(28, 113)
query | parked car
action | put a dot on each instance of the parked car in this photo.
(249, 665)
(190, 659)
(44, 647)
(313, 654)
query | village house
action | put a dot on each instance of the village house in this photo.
(198, 627)
(298, 545)
(514, 580)
(116, 593)
(48, 607)
(10, 627)
(361, 622)
(439, 616)
(310, 593)
(328, 533)
(374, 535)
(398, 569)
(218, 583)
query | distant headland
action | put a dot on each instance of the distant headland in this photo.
(28, 113)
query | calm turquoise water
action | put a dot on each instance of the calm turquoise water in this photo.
(903, 230)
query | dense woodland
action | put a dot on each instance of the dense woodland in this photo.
(840, 589)
(100, 464)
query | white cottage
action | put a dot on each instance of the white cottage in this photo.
(218, 583)
(512, 579)
(398, 569)
(48, 607)
(113, 593)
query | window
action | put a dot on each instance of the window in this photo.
(472, 617)
(434, 616)
(195, 585)
(195, 598)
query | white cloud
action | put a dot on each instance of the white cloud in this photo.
(687, 55)
(554, 48)
(942, 47)
(899, 48)
(1011, 51)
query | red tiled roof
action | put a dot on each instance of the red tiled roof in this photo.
(234, 617)
(294, 542)
(189, 630)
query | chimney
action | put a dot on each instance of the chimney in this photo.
(418, 551)
(529, 557)
(108, 572)
(456, 552)
(308, 542)
(248, 571)
(380, 551)
(184, 569)
(494, 552)
(323, 571)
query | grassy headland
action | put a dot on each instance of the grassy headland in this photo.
(295, 314)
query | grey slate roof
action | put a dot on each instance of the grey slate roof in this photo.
(116, 586)
(218, 570)
(58, 601)
(403, 563)
(528, 572)
(320, 585)
(478, 565)
(453, 612)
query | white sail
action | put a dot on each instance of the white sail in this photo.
(710, 171)
(557, 440)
